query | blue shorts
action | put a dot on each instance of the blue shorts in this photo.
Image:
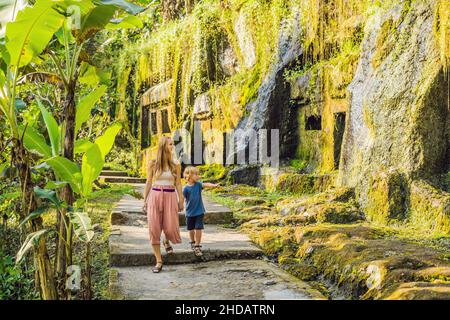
(195, 222)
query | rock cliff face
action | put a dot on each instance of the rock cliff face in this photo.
(270, 109)
(357, 89)
(398, 118)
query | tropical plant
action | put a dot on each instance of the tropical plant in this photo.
(37, 30)
(69, 173)
(91, 17)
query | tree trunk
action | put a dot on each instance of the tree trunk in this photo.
(46, 276)
(171, 9)
(64, 253)
(42, 260)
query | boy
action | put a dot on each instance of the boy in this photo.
(195, 211)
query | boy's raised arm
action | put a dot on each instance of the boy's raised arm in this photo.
(210, 185)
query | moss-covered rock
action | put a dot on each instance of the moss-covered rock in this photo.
(362, 261)
(430, 207)
(333, 212)
(213, 172)
(238, 190)
(293, 205)
(249, 175)
(421, 291)
(386, 197)
(398, 115)
(299, 269)
(252, 201)
(260, 209)
(297, 183)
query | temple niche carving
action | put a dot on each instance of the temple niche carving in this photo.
(157, 112)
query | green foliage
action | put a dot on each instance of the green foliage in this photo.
(16, 282)
(106, 140)
(47, 194)
(33, 215)
(91, 167)
(31, 240)
(67, 171)
(9, 199)
(213, 172)
(30, 33)
(127, 22)
(82, 225)
(96, 19)
(35, 142)
(52, 129)
(92, 76)
(86, 104)
(92, 163)
(298, 164)
(121, 159)
(28, 39)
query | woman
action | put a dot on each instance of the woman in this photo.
(160, 200)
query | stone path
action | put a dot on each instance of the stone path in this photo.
(130, 246)
(231, 268)
(233, 279)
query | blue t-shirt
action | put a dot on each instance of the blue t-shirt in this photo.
(193, 199)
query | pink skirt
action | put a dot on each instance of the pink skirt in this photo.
(162, 215)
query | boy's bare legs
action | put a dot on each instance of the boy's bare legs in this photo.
(192, 235)
(198, 236)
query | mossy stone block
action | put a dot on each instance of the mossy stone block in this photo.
(386, 197)
(430, 207)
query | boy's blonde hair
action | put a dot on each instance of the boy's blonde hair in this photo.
(189, 171)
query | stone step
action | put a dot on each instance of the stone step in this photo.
(127, 180)
(130, 246)
(113, 173)
(130, 218)
(128, 207)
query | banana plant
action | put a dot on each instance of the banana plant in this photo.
(81, 182)
(85, 232)
(93, 159)
(49, 201)
(27, 37)
(80, 179)
(84, 18)
(93, 153)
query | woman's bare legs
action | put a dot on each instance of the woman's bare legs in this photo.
(157, 252)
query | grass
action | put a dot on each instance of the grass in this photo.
(229, 196)
(99, 209)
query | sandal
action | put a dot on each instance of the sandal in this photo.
(192, 243)
(197, 251)
(158, 267)
(168, 248)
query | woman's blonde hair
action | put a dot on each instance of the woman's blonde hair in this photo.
(189, 171)
(164, 158)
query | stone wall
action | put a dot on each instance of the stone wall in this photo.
(375, 111)
(398, 115)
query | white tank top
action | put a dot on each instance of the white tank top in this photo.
(165, 179)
